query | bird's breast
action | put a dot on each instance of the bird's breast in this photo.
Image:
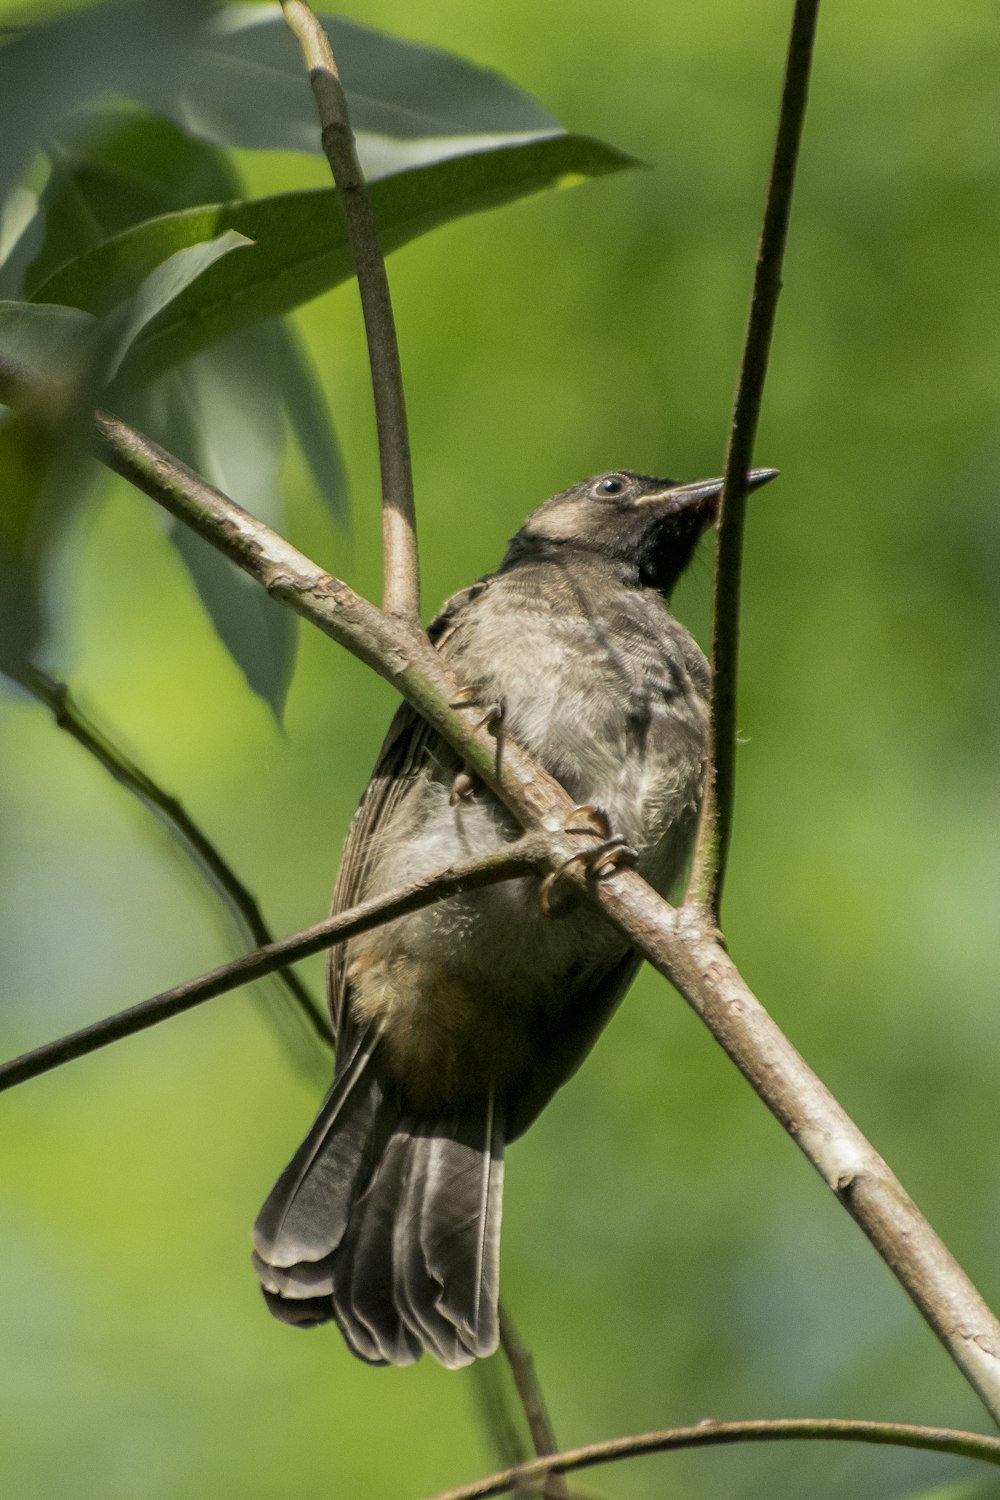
(612, 703)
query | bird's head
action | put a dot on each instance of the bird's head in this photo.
(644, 529)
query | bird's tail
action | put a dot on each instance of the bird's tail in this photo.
(388, 1225)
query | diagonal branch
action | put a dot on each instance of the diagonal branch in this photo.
(399, 524)
(714, 1434)
(709, 869)
(524, 857)
(682, 945)
(241, 901)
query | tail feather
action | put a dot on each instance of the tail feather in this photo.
(416, 1290)
(390, 1226)
(305, 1215)
(362, 1282)
(419, 1264)
(460, 1227)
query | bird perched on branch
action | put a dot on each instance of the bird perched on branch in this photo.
(457, 1023)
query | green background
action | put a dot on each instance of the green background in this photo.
(667, 1252)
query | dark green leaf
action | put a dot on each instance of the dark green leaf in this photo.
(309, 417)
(23, 474)
(248, 88)
(165, 284)
(221, 413)
(300, 247)
(43, 469)
(258, 633)
(47, 71)
(46, 340)
(129, 168)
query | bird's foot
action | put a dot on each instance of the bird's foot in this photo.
(595, 816)
(493, 719)
(599, 859)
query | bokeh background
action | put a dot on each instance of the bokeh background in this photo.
(667, 1252)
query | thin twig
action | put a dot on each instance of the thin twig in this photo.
(709, 869)
(397, 649)
(683, 945)
(714, 1434)
(496, 1410)
(512, 860)
(242, 902)
(522, 1369)
(399, 525)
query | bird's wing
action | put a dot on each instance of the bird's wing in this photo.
(406, 751)
(410, 746)
(593, 1002)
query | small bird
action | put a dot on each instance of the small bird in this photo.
(456, 1024)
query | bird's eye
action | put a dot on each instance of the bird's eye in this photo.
(610, 486)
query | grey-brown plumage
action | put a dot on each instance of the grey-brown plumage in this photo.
(455, 1025)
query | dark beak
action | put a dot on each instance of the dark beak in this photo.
(703, 494)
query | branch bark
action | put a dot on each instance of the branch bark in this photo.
(401, 594)
(709, 867)
(510, 861)
(682, 944)
(522, 1369)
(711, 1434)
(240, 899)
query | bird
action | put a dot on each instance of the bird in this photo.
(456, 1024)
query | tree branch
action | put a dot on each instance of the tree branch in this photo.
(242, 902)
(711, 1434)
(682, 944)
(524, 857)
(709, 867)
(399, 524)
(522, 1369)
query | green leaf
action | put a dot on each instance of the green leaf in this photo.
(43, 468)
(221, 413)
(309, 418)
(129, 168)
(300, 247)
(259, 634)
(23, 473)
(22, 232)
(164, 285)
(47, 341)
(248, 88)
(49, 70)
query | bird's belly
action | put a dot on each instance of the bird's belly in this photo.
(463, 990)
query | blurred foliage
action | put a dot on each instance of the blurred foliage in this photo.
(121, 233)
(667, 1253)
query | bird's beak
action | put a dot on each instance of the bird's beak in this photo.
(702, 495)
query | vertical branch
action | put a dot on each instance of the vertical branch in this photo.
(401, 595)
(522, 1369)
(711, 854)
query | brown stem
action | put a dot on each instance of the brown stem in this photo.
(399, 524)
(682, 945)
(69, 717)
(522, 1369)
(685, 948)
(711, 1434)
(521, 858)
(709, 868)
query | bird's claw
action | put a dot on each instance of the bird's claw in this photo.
(597, 816)
(461, 787)
(609, 854)
(493, 719)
